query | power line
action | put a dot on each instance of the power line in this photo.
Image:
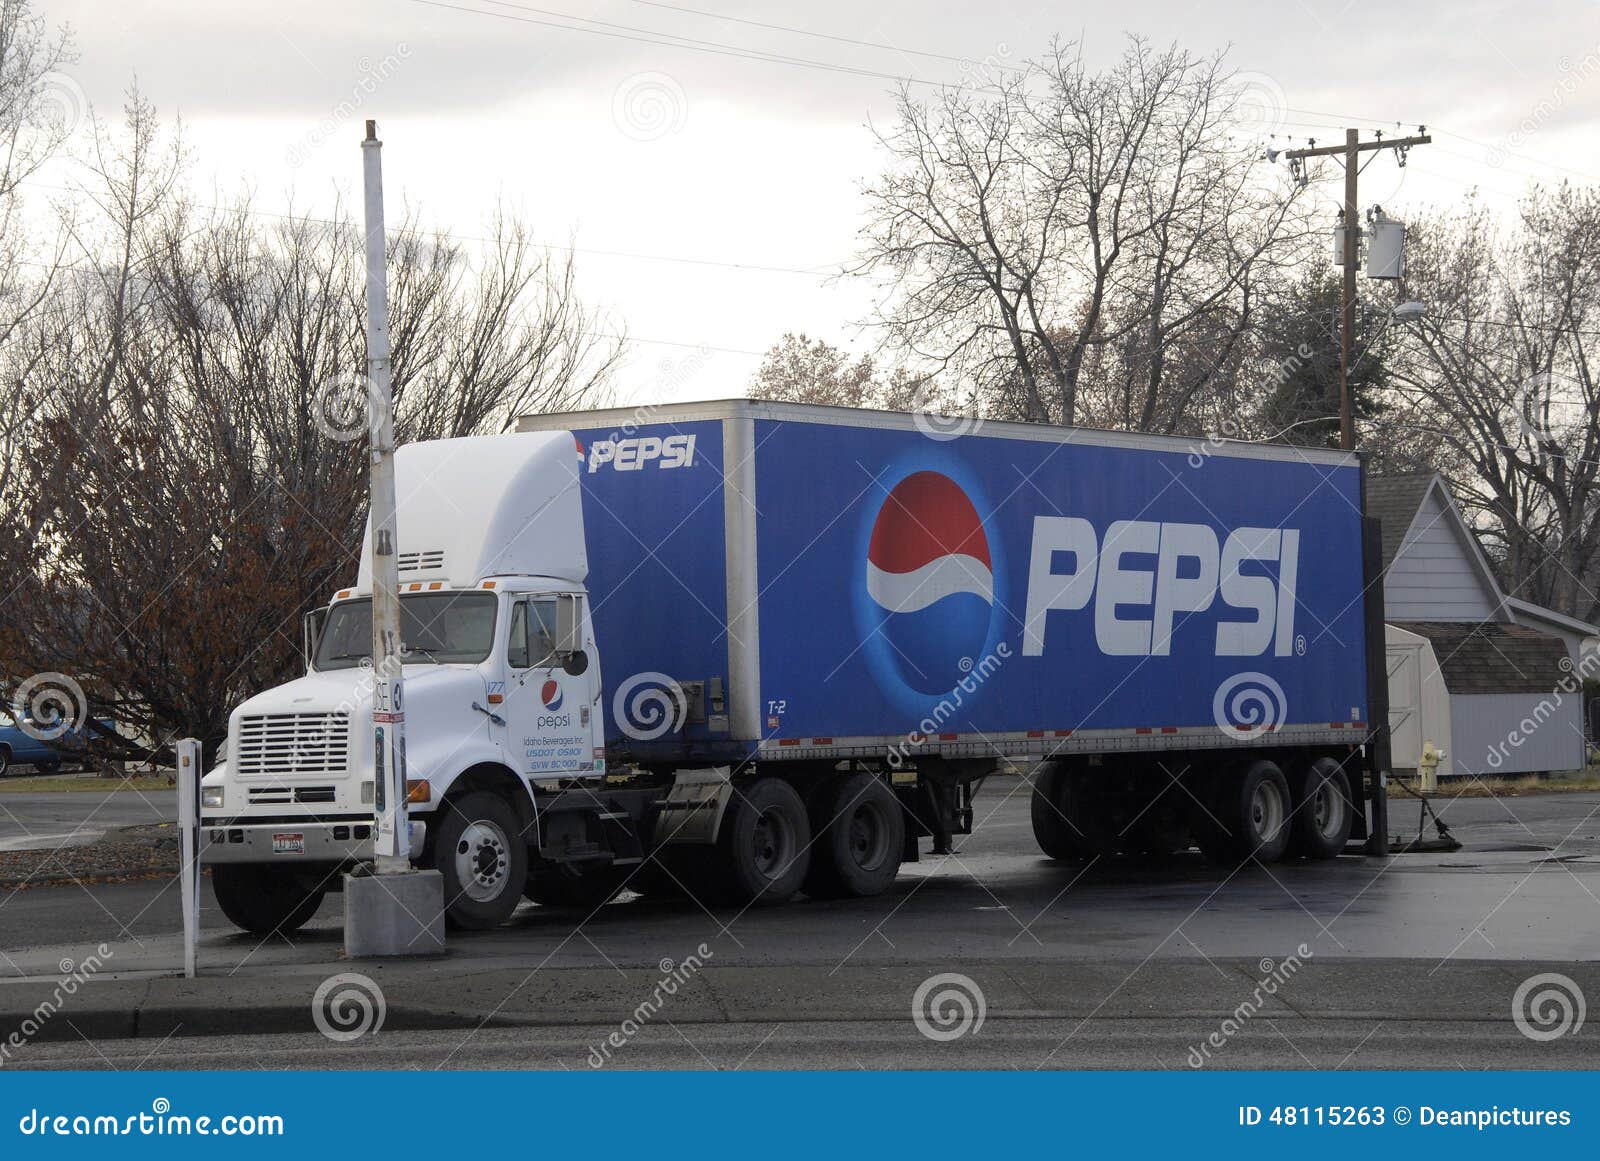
(691, 44)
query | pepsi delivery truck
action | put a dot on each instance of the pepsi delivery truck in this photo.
(748, 650)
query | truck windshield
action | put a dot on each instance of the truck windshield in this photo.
(436, 628)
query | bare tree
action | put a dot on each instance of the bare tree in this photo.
(1497, 388)
(197, 479)
(1067, 218)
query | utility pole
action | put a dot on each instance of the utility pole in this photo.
(1351, 152)
(397, 910)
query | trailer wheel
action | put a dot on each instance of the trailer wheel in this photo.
(1323, 812)
(1249, 815)
(582, 891)
(482, 858)
(1063, 825)
(764, 849)
(265, 900)
(861, 832)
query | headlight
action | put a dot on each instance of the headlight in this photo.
(211, 796)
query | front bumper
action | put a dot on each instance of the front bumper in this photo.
(238, 841)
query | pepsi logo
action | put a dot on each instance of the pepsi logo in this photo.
(550, 694)
(929, 582)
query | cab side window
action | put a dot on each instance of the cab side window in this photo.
(532, 639)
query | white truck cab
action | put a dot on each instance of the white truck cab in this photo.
(502, 691)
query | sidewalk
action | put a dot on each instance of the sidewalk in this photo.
(449, 994)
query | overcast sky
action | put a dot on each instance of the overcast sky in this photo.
(705, 189)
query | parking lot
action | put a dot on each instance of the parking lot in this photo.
(1397, 961)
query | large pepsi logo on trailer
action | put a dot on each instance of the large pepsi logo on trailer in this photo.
(1004, 585)
(929, 587)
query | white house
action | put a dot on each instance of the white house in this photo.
(1494, 682)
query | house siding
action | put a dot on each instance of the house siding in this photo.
(1432, 577)
(1493, 737)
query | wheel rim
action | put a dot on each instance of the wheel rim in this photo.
(1328, 808)
(868, 837)
(1266, 811)
(483, 861)
(773, 844)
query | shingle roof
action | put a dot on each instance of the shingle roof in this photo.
(1394, 500)
(1491, 657)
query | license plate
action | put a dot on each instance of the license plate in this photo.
(288, 844)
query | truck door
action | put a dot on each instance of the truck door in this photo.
(550, 714)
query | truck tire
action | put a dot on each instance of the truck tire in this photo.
(480, 852)
(763, 850)
(1248, 815)
(558, 887)
(1323, 812)
(860, 833)
(265, 900)
(1065, 829)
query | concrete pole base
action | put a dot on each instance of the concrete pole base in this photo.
(389, 915)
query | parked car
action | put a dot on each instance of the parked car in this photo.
(18, 747)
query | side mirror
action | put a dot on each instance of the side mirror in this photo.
(576, 663)
(569, 623)
(310, 632)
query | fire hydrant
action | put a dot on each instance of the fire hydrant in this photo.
(1428, 767)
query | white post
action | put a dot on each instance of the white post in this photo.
(189, 773)
(392, 832)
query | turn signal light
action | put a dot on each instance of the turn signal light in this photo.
(418, 790)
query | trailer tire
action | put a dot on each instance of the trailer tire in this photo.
(1062, 825)
(763, 850)
(1323, 811)
(264, 900)
(1249, 815)
(860, 833)
(480, 852)
(584, 891)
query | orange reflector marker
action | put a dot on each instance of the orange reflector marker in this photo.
(342, 595)
(488, 584)
(418, 790)
(436, 585)
(496, 698)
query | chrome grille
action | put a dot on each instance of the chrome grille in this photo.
(293, 745)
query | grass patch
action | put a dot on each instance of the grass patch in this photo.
(1512, 787)
(83, 784)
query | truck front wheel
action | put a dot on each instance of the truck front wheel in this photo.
(265, 900)
(763, 851)
(483, 859)
(861, 832)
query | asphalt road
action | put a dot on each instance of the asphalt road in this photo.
(46, 821)
(1526, 888)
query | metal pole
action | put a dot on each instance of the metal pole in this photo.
(1352, 229)
(393, 841)
(189, 846)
